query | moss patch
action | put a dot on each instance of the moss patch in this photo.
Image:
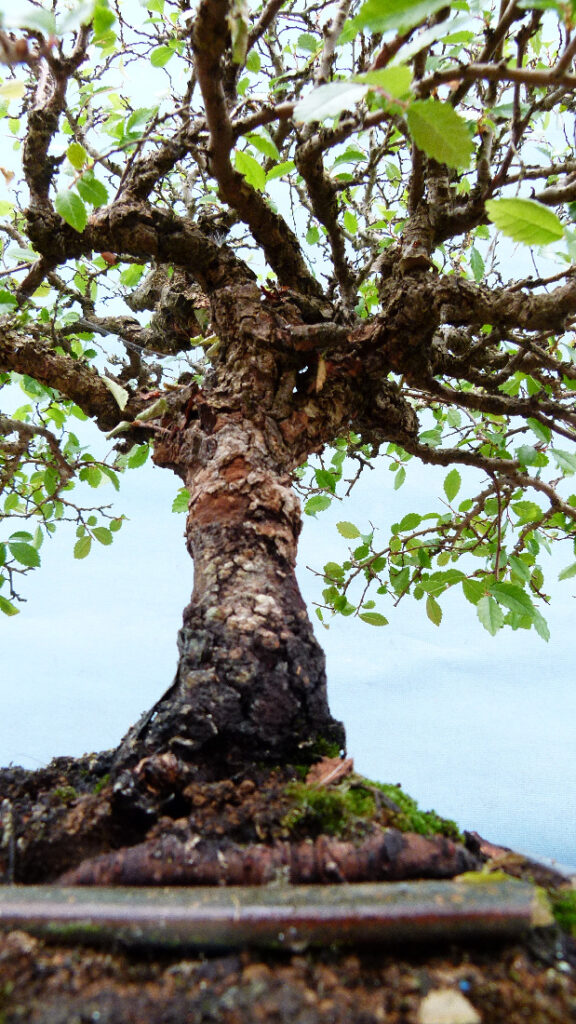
(346, 809)
(564, 909)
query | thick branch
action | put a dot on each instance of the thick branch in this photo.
(269, 229)
(78, 382)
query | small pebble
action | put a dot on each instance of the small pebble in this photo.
(447, 1006)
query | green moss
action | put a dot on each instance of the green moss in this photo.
(409, 818)
(326, 810)
(100, 785)
(66, 794)
(564, 909)
(339, 810)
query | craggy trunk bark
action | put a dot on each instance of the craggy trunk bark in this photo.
(251, 680)
(251, 675)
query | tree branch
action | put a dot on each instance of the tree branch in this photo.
(270, 231)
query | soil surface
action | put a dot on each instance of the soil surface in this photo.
(72, 817)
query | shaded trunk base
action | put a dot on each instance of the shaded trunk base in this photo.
(239, 697)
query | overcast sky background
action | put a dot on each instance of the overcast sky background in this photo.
(480, 728)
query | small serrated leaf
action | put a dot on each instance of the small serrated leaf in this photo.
(251, 170)
(373, 618)
(119, 393)
(160, 56)
(82, 547)
(490, 614)
(348, 530)
(318, 503)
(102, 535)
(433, 610)
(13, 90)
(77, 155)
(452, 484)
(181, 501)
(525, 220)
(440, 132)
(71, 209)
(92, 190)
(7, 607)
(474, 590)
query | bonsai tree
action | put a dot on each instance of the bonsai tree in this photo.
(255, 242)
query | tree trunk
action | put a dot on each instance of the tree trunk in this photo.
(251, 680)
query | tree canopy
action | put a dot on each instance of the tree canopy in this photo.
(385, 191)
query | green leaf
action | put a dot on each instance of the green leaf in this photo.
(384, 15)
(440, 132)
(474, 590)
(264, 145)
(525, 220)
(131, 276)
(92, 190)
(8, 302)
(512, 597)
(565, 461)
(409, 522)
(160, 56)
(253, 62)
(306, 41)
(250, 169)
(433, 610)
(568, 572)
(542, 432)
(476, 264)
(51, 479)
(490, 614)
(399, 478)
(330, 100)
(71, 209)
(540, 625)
(7, 607)
(13, 90)
(181, 501)
(119, 393)
(82, 547)
(91, 475)
(112, 476)
(394, 81)
(77, 155)
(102, 535)
(138, 455)
(348, 530)
(104, 18)
(25, 554)
(318, 503)
(520, 568)
(281, 169)
(325, 479)
(140, 117)
(527, 511)
(373, 618)
(452, 484)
